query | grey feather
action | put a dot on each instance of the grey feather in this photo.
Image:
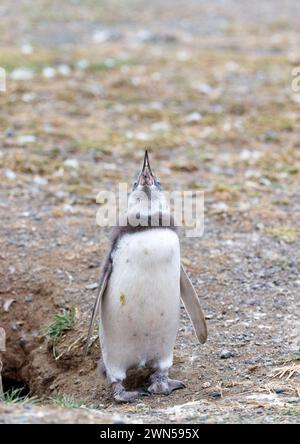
(104, 278)
(192, 305)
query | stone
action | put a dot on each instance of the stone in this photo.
(92, 286)
(226, 354)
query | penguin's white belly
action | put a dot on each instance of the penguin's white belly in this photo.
(141, 306)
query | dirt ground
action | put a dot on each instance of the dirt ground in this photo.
(207, 86)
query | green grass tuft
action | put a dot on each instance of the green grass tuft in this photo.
(14, 396)
(61, 323)
(67, 402)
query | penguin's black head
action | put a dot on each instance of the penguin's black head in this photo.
(146, 178)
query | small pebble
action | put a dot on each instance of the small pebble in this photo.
(293, 400)
(93, 265)
(49, 72)
(38, 180)
(209, 316)
(22, 343)
(92, 286)
(193, 117)
(26, 49)
(9, 132)
(64, 70)
(140, 406)
(9, 174)
(82, 64)
(70, 290)
(21, 74)
(225, 354)
(72, 163)
(26, 139)
(279, 390)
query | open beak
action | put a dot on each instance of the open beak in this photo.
(146, 177)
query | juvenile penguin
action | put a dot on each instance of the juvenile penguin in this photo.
(139, 293)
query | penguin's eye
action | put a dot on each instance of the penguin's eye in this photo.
(157, 183)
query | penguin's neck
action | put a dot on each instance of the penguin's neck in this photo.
(151, 221)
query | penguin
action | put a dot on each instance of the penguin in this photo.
(138, 300)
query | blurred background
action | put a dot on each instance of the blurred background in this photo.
(209, 80)
(207, 87)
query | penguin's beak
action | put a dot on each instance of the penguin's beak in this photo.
(146, 177)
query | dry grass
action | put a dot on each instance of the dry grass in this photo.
(286, 372)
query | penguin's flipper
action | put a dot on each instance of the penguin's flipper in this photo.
(192, 305)
(104, 278)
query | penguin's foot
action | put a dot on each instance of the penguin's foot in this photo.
(122, 395)
(161, 384)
